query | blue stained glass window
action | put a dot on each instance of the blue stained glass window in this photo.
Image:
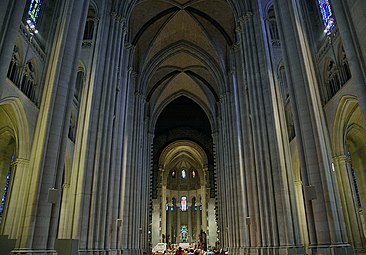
(355, 185)
(33, 13)
(327, 16)
(356, 188)
(6, 189)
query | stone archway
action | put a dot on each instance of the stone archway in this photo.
(349, 132)
(14, 159)
(183, 202)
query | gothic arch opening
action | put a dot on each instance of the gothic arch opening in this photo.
(14, 155)
(183, 186)
(348, 156)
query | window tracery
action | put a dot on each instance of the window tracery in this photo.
(333, 80)
(6, 189)
(184, 174)
(28, 84)
(89, 25)
(272, 26)
(327, 16)
(14, 67)
(33, 14)
(346, 72)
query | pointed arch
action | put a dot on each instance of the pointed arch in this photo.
(155, 115)
(19, 123)
(346, 108)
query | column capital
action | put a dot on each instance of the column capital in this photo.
(140, 95)
(236, 46)
(117, 17)
(20, 161)
(245, 18)
(134, 74)
(340, 158)
(151, 136)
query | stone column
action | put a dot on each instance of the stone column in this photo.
(198, 222)
(170, 223)
(204, 209)
(126, 167)
(102, 114)
(119, 92)
(177, 208)
(324, 217)
(40, 215)
(355, 227)
(10, 225)
(224, 170)
(11, 13)
(189, 212)
(163, 211)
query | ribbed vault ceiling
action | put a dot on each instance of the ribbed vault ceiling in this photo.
(181, 53)
(181, 47)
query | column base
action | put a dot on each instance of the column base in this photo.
(67, 246)
(342, 249)
(20, 251)
(93, 252)
(133, 252)
(7, 245)
(284, 250)
(359, 251)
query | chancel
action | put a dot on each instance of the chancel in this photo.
(235, 125)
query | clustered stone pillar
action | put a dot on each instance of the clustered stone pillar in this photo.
(19, 169)
(347, 192)
(325, 223)
(163, 212)
(204, 209)
(268, 215)
(38, 227)
(189, 212)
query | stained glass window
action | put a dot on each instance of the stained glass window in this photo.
(183, 204)
(184, 175)
(355, 185)
(327, 16)
(173, 203)
(6, 190)
(33, 13)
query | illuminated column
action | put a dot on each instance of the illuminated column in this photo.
(189, 212)
(198, 223)
(204, 209)
(170, 224)
(17, 198)
(324, 218)
(355, 225)
(46, 168)
(163, 212)
(177, 207)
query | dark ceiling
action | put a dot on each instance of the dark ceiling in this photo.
(183, 113)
